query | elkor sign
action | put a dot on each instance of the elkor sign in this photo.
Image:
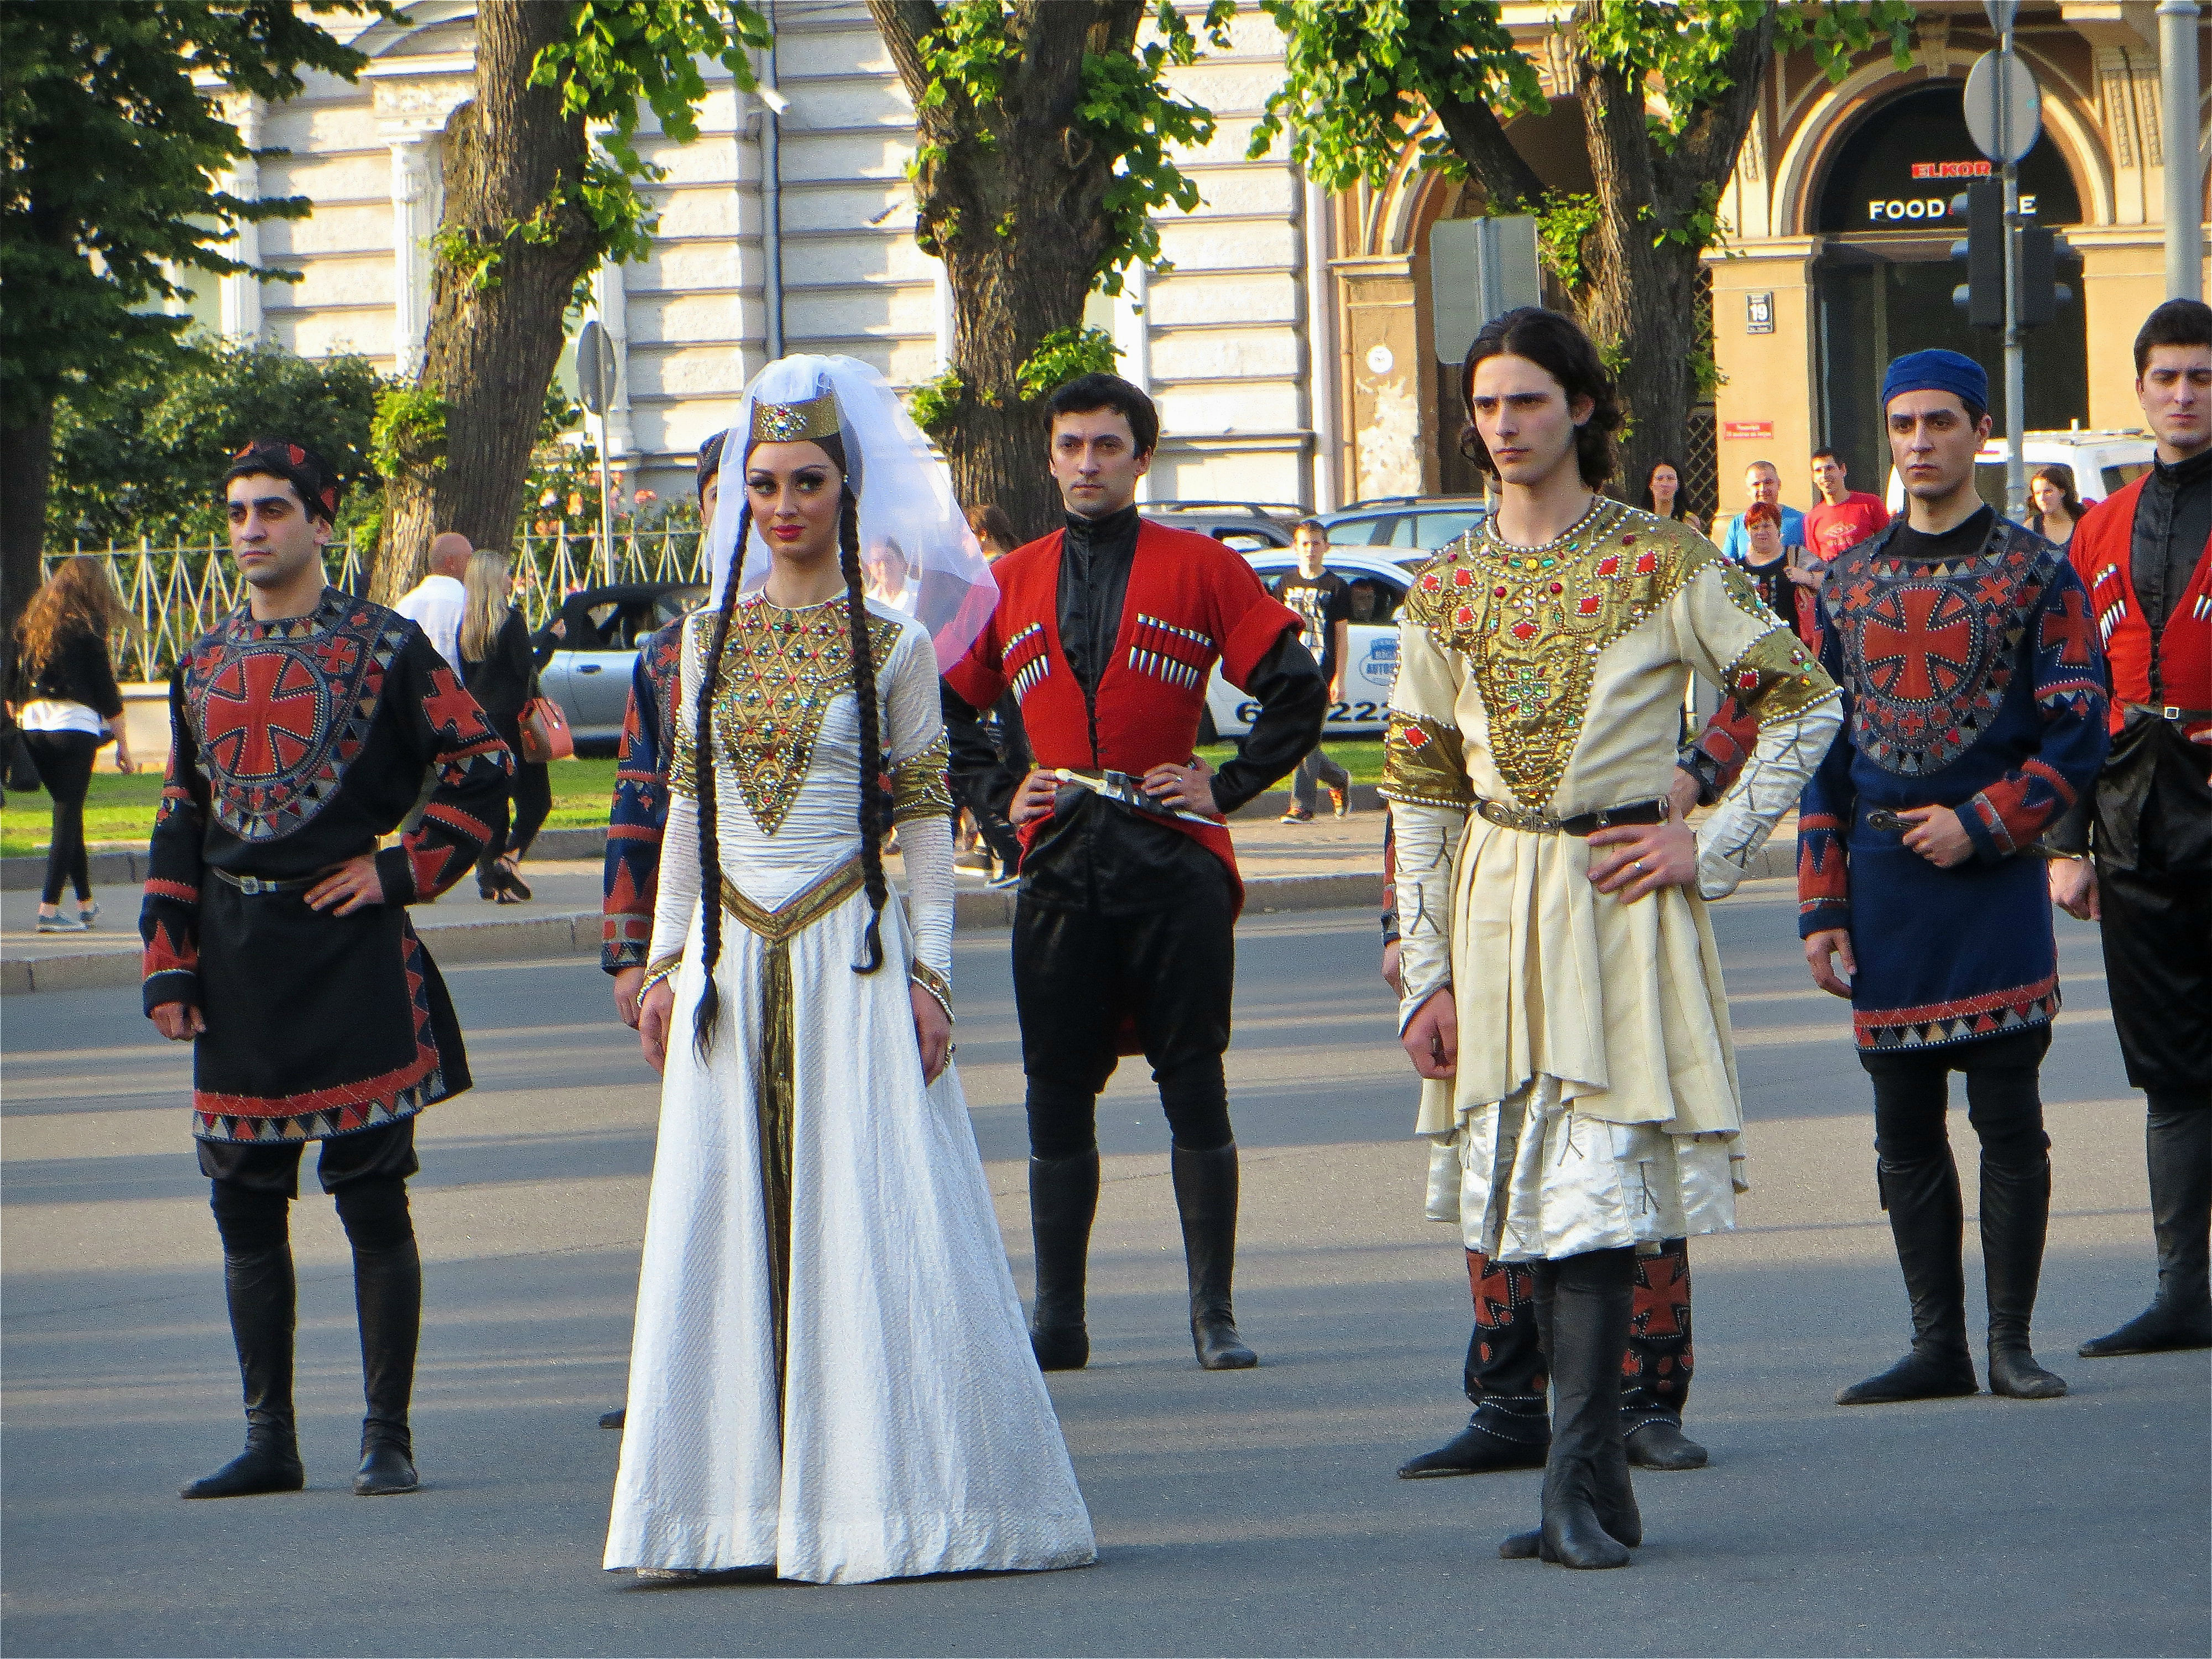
(1894, 210)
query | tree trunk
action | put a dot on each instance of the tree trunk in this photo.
(510, 154)
(27, 459)
(1014, 203)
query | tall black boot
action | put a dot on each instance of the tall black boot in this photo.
(258, 1285)
(1505, 1379)
(1928, 1221)
(1063, 1202)
(2015, 1215)
(1590, 1517)
(1206, 1198)
(2178, 1142)
(387, 1300)
(1656, 1371)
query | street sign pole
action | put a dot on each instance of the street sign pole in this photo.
(595, 385)
(2004, 113)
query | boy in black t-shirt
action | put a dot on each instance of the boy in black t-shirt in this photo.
(1323, 602)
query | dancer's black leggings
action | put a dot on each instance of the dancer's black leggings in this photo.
(64, 763)
(528, 805)
(1911, 1089)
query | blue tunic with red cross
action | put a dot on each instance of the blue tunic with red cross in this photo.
(1971, 679)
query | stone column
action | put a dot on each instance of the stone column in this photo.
(239, 294)
(411, 117)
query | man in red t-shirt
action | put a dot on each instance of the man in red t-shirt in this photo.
(1841, 520)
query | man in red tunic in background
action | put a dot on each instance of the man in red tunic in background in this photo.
(2136, 856)
(1108, 630)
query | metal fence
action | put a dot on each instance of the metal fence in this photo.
(177, 593)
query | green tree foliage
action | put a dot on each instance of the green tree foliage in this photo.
(1666, 92)
(115, 147)
(138, 452)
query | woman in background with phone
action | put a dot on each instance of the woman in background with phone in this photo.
(497, 667)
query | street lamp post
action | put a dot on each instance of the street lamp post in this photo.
(2185, 230)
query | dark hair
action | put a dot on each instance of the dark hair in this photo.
(1681, 489)
(1314, 525)
(710, 463)
(2177, 322)
(990, 520)
(1557, 345)
(1825, 453)
(875, 800)
(310, 475)
(2069, 503)
(1761, 513)
(1088, 392)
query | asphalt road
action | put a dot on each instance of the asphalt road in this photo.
(1236, 1512)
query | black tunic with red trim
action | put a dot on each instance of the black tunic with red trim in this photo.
(1107, 633)
(295, 745)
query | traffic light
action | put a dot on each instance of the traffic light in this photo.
(1982, 295)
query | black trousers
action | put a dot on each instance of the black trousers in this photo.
(2157, 968)
(529, 803)
(1077, 974)
(64, 762)
(386, 1154)
(2005, 1103)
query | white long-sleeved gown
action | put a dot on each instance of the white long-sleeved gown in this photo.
(829, 1372)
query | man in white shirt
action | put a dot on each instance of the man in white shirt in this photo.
(435, 604)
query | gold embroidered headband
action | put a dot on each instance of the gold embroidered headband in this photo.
(785, 423)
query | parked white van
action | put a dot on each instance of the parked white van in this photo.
(2103, 464)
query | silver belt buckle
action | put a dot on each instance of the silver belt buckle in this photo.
(249, 884)
(2170, 712)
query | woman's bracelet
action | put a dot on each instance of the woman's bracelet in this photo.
(930, 980)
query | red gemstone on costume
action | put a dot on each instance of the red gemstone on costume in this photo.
(1646, 563)
(1556, 588)
(1524, 631)
(1414, 737)
(1430, 584)
(1609, 565)
(1748, 680)
(1463, 577)
(1464, 615)
(1498, 592)
(1587, 605)
(1628, 541)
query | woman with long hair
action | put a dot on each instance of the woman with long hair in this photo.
(1662, 494)
(501, 675)
(66, 702)
(829, 1374)
(2057, 509)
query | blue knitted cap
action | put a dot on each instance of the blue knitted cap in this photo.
(1937, 370)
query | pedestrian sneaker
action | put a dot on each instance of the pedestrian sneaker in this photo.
(1342, 800)
(59, 924)
(85, 913)
(1003, 880)
(1297, 815)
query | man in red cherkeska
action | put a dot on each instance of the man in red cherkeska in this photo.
(1106, 630)
(302, 726)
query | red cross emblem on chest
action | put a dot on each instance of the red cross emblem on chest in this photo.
(1920, 643)
(261, 713)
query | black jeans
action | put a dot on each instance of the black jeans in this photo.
(531, 801)
(1911, 1093)
(64, 762)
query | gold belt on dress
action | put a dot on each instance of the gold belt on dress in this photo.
(802, 909)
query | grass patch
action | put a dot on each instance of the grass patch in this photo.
(118, 810)
(1361, 756)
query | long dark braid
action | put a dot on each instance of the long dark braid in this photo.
(875, 803)
(710, 846)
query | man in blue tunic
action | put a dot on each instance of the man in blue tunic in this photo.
(1974, 694)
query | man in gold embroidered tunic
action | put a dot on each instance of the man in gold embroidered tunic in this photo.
(1562, 994)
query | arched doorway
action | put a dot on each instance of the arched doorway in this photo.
(1884, 276)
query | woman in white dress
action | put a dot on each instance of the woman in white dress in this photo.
(830, 1374)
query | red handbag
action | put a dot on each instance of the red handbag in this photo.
(545, 734)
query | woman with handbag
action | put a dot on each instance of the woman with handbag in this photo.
(67, 706)
(497, 668)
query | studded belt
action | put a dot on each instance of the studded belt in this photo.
(262, 884)
(1582, 823)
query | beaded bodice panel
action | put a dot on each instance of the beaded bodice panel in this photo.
(781, 671)
(1531, 622)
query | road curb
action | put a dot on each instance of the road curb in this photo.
(576, 933)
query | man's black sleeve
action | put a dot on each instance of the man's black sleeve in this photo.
(1293, 700)
(982, 781)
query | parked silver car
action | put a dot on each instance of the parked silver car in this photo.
(594, 645)
(1406, 529)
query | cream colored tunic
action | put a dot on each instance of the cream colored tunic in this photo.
(1596, 1103)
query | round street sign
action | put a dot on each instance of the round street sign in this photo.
(2007, 135)
(595, 369)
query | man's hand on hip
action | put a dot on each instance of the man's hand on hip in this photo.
(1937, 835)
(1033, 800)
(351, 886)
(1186, 788)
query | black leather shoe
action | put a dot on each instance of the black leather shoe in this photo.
(1477, 1450)
(1659, 1444)
(1213, 1334)
(1919, 1376)
(1061, 1347)
(387, 1465)
(2157, 1329)
(267, 1464)
(2015, 1374)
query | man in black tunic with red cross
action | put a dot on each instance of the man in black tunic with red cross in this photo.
(1108, 630)
(303, 727)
